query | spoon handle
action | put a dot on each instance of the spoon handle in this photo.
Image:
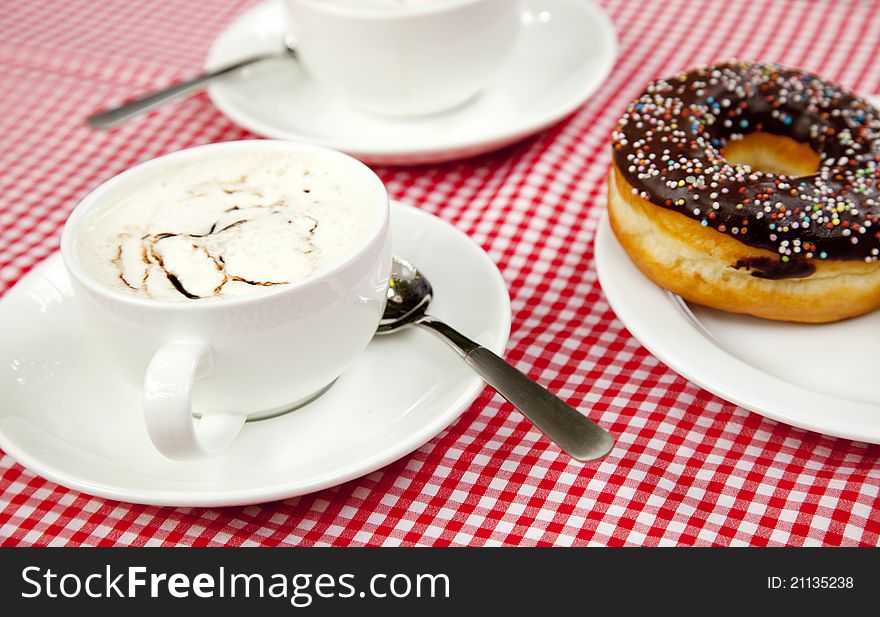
(116, 115)
(576, 434)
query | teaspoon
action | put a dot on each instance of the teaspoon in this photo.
(117, 115)
(409, 295)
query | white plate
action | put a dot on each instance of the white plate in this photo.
(817, 377)
(565, 51)
(65, 415)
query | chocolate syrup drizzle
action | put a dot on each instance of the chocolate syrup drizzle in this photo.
(152, 257)
(668, 146)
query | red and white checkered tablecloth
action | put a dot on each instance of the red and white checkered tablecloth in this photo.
(689, 468)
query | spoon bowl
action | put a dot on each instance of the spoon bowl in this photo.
(409, 294)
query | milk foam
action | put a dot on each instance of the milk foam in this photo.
(229, 225)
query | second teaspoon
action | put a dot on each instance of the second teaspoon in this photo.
(117, 115)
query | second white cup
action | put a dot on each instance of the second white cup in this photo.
(404, 57)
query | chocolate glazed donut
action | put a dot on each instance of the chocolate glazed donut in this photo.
(754, 189)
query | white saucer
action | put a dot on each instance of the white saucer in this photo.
(66, 416)
(817, 377)
(565, 51)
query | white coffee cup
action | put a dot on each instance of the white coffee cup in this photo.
(207, 366)
(404, 61)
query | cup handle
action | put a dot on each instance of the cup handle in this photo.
(168, 404)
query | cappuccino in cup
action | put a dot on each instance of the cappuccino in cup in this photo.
(227, 226)
(230, 282)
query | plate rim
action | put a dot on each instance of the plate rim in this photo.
(398, 449)
(774, 403)
(437, 151)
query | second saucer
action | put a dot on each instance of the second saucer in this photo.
(565, 50)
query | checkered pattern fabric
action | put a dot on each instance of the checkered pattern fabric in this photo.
(689, 468)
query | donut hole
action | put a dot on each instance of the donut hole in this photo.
(775, 154)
